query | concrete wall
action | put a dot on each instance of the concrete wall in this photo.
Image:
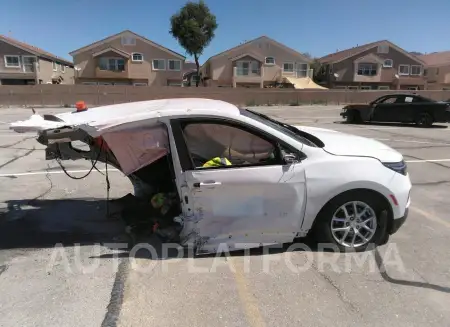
(60, 95)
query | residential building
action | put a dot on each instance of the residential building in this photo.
(189, 73)
(375, 66)
(127, 58)
(437, 66)
(25, 64)
(257, 63)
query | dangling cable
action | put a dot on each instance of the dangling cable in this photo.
(58, 160)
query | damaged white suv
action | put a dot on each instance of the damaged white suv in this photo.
(270, 182)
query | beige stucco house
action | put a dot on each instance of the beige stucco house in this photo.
(25, 64)
(258, 63)
(437, 70)
(127, 58)
(380, 65)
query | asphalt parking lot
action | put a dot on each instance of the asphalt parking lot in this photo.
(404, 283)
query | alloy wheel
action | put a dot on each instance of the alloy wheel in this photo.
(354, 224)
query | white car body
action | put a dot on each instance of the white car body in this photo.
(245, 207)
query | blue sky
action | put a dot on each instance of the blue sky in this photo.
(318, 27)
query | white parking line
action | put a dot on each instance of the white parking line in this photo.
(18, 135)
(427, 160)
(411, 141)
(32, 173)
(431, 216)
(54, 172)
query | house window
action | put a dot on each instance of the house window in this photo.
(12, 61)
(288, 67)
(55, 66)
(367, 69)
(159, 64)
(425, 72)
(403, 70)
(89, 83)
(412, 88)
(174, 64)
(383, 87)
(388, 63)
(113, 64)
(63, 68)
(255, 67)
(302, 70)
(137, 56)
(366, 87)
(416, 70)
(352, 87)
(140, 84)
(270, 61)
(383, 49)
(128, 40)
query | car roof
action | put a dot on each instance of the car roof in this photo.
(152, 109)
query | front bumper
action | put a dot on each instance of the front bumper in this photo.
(397, 223)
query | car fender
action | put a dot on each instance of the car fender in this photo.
(315, 202)
(327, 180)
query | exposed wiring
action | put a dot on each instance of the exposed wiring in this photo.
(94, 164)
(58, 160)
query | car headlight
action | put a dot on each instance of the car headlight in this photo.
(399, 167)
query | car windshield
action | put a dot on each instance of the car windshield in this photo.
(287, 129)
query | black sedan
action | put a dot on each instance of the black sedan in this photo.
(401, 108)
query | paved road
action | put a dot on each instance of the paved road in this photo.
(405, 283)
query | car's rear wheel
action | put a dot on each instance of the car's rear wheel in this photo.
(353, 221)
(353, 117)
(424, 119)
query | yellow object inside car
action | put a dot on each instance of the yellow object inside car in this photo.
(217, 161)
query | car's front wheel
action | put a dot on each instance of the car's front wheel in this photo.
(424, 119)
(353, 221)
(353, 117)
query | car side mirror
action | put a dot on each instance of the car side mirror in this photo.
(290, 158)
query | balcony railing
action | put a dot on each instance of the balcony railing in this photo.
(100, 73)
(298, 73)
(247, 72)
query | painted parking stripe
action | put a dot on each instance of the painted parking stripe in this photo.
(32, 173)
(427, 160)
(53, 172)
(412, 141)
(431, 216)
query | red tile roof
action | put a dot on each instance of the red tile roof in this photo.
(35, 50)
(436, 58)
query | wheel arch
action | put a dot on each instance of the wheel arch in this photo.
(373, 192)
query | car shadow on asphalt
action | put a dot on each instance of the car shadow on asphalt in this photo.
(36, 224)
(31, 223)
(434, 126)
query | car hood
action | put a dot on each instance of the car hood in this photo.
(357, 106)
(343, 144)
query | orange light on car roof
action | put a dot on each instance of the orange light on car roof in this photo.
(81, 106)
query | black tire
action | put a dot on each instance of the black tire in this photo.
(424, 119)
(322, 225)
(353, 117)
